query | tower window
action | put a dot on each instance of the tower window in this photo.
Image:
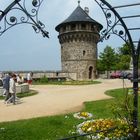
(84, 52)
(83, 26)
(92, 28)
(64, 28)
(73, 27)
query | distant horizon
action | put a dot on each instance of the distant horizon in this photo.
(31, 71)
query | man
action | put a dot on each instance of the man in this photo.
(6, 80)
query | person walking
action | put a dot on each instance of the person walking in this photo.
(12, 89)
(6, 80)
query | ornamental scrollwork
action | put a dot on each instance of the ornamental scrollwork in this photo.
(113, 24)
(22, 11)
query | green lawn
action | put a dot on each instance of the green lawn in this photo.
(55, 127)
(45, 81)
(66, 82)
(25, 94)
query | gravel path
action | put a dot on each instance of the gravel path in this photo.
(56, 99)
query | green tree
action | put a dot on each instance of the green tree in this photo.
(125, 50)
(107, 60)
(124, 57)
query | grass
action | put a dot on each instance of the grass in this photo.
(45, 128)
(75, 82)
(25, 94)
(55, 127)
(45, 81)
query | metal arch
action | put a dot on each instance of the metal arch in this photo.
(26, 17)
(8, 9)
(106, 33)
(135, 52)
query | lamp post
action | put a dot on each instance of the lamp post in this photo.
(28, 16)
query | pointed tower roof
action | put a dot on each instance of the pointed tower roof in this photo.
(78, 15)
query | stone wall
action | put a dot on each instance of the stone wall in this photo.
(48, 74)
(78, 57)
(55, 74)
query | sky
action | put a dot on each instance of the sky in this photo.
(21, 49)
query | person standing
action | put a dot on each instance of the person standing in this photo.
(19, 79)
(6, 80)
(12, 89)
(29, 78)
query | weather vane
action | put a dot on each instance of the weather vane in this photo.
(79, 2)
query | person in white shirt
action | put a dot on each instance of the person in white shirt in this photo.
(19, 79)
(29, 78)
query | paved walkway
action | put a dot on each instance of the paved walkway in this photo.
(56, 99)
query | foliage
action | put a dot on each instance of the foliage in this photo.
(44, 128)
(111, 60)
(124, 57)
(100, 66)
(66, 82)
(107, 59)
(42, 80)
(123, 108)
(107, 129)
(123, 63)
(25, 94)
(82, 115)
(124, 50)
(79, 82)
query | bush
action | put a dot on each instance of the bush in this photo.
(42, 80)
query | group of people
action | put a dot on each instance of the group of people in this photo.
(9, 87)
(9, 81)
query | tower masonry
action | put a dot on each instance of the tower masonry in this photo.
(78, 36)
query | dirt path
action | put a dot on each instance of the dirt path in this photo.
(55, 99)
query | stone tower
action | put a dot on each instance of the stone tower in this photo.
(78, 36)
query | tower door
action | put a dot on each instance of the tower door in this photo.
(90, 72)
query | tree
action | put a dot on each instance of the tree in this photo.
(111, 60)
(124, 50)
(124, 56)
(107, 60)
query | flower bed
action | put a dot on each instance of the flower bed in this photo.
(83, 115)
(121, 129)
